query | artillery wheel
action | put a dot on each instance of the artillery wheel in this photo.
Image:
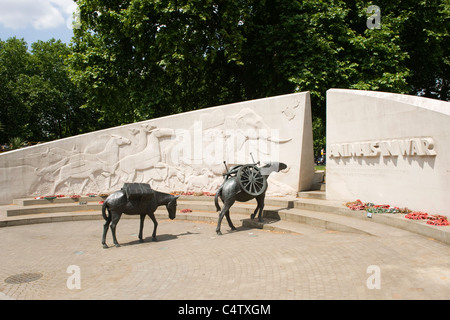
(251, 180)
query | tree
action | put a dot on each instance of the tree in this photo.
(13, 64)
(38, 101)
(139, 59)
(316, 45)
(425, 36)
(53, 96)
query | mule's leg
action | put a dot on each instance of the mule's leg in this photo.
(141, 227)
(115, 217)
(105, 229)
(252, 216)
(260, 201)
(230, 223)
(259, 208)
(226, 207)
(155, 225)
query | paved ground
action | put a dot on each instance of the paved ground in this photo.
(191, 262)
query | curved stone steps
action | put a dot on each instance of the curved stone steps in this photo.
(280, 214)
(28, 211)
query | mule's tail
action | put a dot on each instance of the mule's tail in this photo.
(104, 211)
(216, 198)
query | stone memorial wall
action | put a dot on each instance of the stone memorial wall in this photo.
(183, 152)
(388, 149)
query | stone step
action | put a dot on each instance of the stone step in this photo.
(40, 206)
(313, 194)
(329, 221)
(275, 218)
(318, 182)
(319, 186)
(239, 217)
(61, 200)
(41, 211)
(319, 176)
(280, 214)
(16, 210)
(333, 215)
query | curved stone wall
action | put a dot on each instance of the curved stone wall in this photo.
(183, 152)
(388, 149)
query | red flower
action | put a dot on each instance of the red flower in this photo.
(417, 215)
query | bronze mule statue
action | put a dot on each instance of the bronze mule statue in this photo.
(118, 203)
(243, 183)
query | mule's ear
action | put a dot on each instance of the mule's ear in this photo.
(176, 197)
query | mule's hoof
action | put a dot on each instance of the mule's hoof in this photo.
(261, 220)
(219, 233)
(233, 228)
(117, 245)
(141, 240)
(252, 216)
(154, 239)
(105, 246)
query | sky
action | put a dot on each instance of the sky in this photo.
(36, 19)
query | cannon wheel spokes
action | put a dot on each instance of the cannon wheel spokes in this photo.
(251, 180)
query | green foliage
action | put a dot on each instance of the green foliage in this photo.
(17, 143)
(317, 45)
(139, 59)
(132, 60)
(319, 134)
(425, 36)
(13, 56)
(38, 101)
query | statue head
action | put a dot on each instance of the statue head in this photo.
(172, 207)
(270, 167)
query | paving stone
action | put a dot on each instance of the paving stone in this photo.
(191, 262)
